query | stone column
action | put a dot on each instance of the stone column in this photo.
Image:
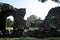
(2, 24)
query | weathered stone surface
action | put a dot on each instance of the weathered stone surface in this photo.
(18, 14)
(53, 13)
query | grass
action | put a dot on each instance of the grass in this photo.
(29, 38)
(30, 28)
(33, 28)
(24, 38)
(9, 28)
(21, 38)
(5, 38)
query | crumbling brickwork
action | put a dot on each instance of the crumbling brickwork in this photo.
(18, 14)
(53, 13)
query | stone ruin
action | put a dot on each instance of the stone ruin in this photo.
(49, 30)
(53, 13)
(19, 22)
(52, 30)
(18, 14)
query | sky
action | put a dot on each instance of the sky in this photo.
(33, 7)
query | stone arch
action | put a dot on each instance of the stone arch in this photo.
(3, 19)
(18, 15)
(9, 25)
(11, 17)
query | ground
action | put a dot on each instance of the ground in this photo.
(29, 38)
(30, 28)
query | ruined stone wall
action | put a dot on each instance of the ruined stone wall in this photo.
(54, 12)
(18, 14)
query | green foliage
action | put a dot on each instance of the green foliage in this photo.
(51, 39)
(5, 38)
(43, 1)
(9, 22)
(39, 23)
(54, 21)
(30, 20)
(21, 38)
(35, 23)
(24, 38)
(56, 1)
(51, 0)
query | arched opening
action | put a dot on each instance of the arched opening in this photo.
(9, 23)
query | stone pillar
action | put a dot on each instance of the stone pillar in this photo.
(19, 22)
(2, 24)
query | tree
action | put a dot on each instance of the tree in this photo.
(38, 22)
(33, 21)
(9, 22)
(58, 1)
(43, 1)
(30, 20)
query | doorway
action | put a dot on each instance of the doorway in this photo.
(9, 23)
